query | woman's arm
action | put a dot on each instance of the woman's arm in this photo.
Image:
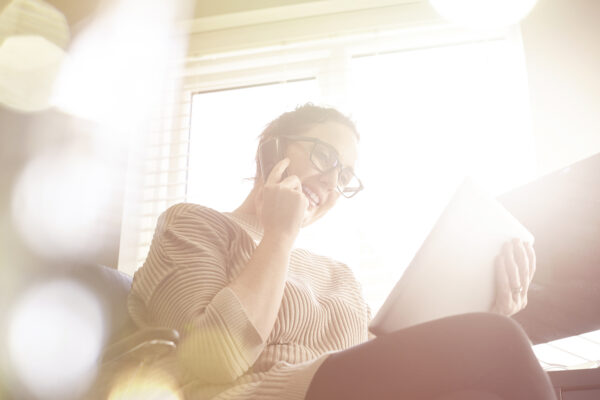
(183, 285)
(259, 286)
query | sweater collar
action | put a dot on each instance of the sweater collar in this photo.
(249, 223)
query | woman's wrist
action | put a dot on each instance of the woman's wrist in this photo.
(278, 241)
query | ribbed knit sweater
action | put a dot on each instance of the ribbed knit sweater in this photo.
(195, 253)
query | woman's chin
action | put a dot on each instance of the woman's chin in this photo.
(309, 216)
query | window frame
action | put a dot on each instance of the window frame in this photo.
(324, 58)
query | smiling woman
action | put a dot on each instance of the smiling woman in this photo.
(325, 168)
(261, 319)
(324, 158)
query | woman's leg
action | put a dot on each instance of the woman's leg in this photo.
(481, 353)
(469, 395)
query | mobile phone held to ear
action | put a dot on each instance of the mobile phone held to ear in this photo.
(269, 154)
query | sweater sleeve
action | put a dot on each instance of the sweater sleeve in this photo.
(218, 342)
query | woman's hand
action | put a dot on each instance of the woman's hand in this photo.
(515, 266)
(281, 204)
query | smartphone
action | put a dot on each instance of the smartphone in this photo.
(269, 154)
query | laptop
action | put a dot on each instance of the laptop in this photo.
(453, 271)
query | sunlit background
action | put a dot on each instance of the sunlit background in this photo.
(162, 102)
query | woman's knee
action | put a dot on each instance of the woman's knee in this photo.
(494, 325)
(469, 395)
(479, 332)
(496, 334)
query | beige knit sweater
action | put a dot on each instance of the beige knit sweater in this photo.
(194, 254)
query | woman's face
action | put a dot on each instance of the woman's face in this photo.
(321, 188)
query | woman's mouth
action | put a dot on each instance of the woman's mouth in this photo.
(313, 199)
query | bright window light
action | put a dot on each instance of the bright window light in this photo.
(575, 352)
(427, 117)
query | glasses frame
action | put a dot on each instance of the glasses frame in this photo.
(338, 164)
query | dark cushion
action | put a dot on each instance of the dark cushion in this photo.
(112, 288)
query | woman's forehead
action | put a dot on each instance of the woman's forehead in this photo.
(340, 137)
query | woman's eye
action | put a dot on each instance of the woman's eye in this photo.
(322, 157)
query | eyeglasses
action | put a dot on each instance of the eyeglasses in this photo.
(325, 158)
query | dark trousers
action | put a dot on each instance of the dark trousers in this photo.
(471, 356)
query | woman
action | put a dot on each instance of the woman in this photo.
(262, 320)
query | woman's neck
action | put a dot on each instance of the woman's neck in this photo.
(248, 207)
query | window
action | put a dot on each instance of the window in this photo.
(429, 116)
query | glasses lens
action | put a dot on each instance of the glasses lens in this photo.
(323, 157)
(348, 183)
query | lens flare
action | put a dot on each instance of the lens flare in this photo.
(116, 68)
(58, 203)
(55, 335)
(144, 383)
(33, 36)
(28, 66)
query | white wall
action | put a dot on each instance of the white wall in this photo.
(562, 50)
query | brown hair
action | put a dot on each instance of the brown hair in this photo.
(300, 120)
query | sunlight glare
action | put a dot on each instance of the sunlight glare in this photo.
(28, 67)
(33, 36)
(144, 383)
(116, 69)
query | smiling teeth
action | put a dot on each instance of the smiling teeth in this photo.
(311, 196)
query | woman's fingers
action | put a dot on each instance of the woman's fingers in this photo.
(512, 269)
(515, 266)
(503, 289)
(522, 261)
(277, 177)
(532, 259)
(292, 182)
(276, 174)
(281, 202)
